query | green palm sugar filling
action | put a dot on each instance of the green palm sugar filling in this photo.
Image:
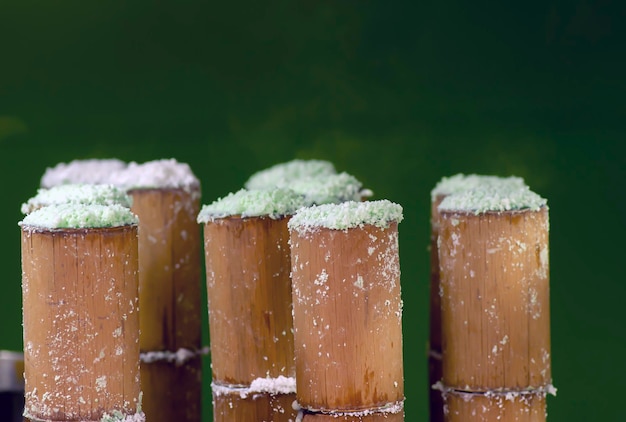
(274, 203)
(328, 189)
(79, 216)
(461, 182)
(346, 215)
(165, 173)
(281, 174)
(95, 170)
(493, 197)
(101, 194)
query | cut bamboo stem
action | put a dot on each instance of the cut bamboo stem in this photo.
(249, 301)
(495, 316)
(169, 299)
(495, 302)
(81, 324)
(347, 311)
(435, 350)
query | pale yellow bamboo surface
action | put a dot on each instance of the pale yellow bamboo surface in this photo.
(347, 318)
(81, 322)
(363, 417)
(170, 300)
(495, 300)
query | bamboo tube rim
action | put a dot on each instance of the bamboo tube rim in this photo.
(76, 230)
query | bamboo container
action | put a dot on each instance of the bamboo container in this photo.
(347, 310)
(247, 259)
(445, 187)
(80, 312)
(493, 255)
(166, 198)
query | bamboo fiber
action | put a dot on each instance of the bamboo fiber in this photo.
(249, 301)
(169, 298)
(81, 324)
(495, 315)
(347, 320)
(495, 301)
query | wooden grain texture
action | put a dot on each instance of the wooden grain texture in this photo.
(249, 299)
(81, 322)
(462, 407)
(347, 318)
(170, 300)
(495, 300)
(257, 407)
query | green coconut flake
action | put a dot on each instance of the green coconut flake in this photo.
(346, 215)
(165, 173)
(282, 174)
(273, 203)
(77, 194)
(494, 197)
(93, 170)
(460, 182)
(78, 216)
(328, 189)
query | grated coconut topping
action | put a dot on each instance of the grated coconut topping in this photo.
(101, 194)
(346, 215)
(280, 175)
(274, 203)
(78, 216)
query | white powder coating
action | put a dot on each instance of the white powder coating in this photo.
(179, 357)
(274, 203)
(78, 216)
(103, 194)
(117, 416)
(87, 171)
(280, 175)
(493, 197)
(461, 182)
(328, 189)
(165, 173)
(273, 386)
(346, 215)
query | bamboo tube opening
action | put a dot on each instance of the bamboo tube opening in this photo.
(81, 324)
(495, 300)
(169, 298)
(347, 318)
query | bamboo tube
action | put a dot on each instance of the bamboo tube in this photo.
(249, 300)
(81, 325)
(347, 308)
(166, 198)
(493, 255)
(445, 187)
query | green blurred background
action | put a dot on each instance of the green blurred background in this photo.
(398, 94)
